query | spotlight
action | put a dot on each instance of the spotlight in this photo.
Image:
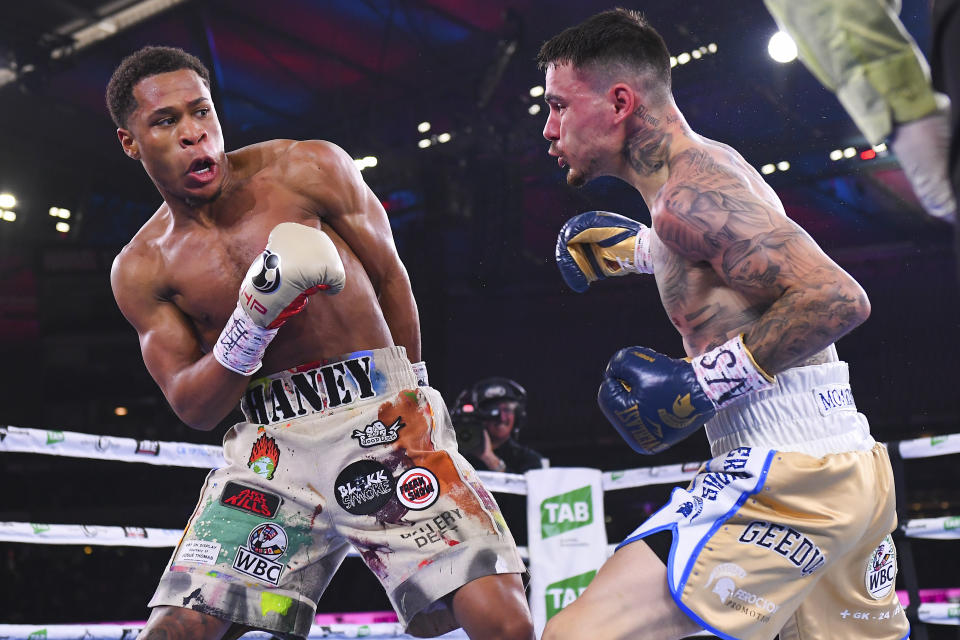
(423, 144)
(119, 411)
(767, 169)
(371, 161)
(868, 154)
(62, 227)
(7, 201)
(8, 216)
(536, 92)
(443, 137)
(534, 109)
(712, 47)
(783, 165)
(880, 148)
(849, 152)
(696, 54)
(423, 127)
(683, 58)
(836, 154)
(782, 48)
(673, 61)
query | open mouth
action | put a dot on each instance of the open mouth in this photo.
(201, 166)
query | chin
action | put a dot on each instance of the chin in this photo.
(576, 178)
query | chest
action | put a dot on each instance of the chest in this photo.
(206, 265)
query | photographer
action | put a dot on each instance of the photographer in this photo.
(487, 418)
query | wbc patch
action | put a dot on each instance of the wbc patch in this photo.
(881, 573)
(265, 544)
(250, 500)
(363, 487)
(418, 489)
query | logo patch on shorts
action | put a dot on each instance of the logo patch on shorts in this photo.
(378, 433)
(363, 487)
(265, 543)
(733, 597)
(264, 456)
(256, 501)
(418, 489)
(831, 398)
(881, 573)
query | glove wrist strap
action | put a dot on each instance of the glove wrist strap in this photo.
(642, 259)
(729, 371)
(242, 343)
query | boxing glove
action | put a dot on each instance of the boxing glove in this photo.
(596, 245)
(297, 262)
(655, 401)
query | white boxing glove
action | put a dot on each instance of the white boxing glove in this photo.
(297, 262)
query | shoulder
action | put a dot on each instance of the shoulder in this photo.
(138, 267)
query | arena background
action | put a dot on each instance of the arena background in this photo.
(475, 213)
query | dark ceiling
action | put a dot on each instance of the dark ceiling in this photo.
(475, 218)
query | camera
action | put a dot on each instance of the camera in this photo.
(476, 407)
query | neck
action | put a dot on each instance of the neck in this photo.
(653, 138)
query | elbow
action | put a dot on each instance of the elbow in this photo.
(193, 418)
(859, 307)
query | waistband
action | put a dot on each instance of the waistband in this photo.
(809, 410)
(328, 386)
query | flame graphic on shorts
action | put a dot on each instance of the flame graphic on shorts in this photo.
(264, 456)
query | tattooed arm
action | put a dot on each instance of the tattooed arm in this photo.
(726, 216)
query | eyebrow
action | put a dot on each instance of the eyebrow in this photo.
(552, 97)
(168, 110)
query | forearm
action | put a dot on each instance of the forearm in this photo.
(400, 311)
(202, 394)
(803, 322)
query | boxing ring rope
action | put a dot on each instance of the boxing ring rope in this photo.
(184, 454)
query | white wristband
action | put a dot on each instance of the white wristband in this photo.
(642, 260)
(420, 370)
(242, 343)
(729, 371)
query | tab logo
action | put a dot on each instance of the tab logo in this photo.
(566, 512)
(560, 594)
(256, 501)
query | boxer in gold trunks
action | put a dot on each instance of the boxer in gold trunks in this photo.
(786, 530)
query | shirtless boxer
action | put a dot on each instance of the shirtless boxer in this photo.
(786, 530)
(340, 444)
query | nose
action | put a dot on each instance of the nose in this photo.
(551, 130)
(191, 133)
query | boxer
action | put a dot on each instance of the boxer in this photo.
(786, 530)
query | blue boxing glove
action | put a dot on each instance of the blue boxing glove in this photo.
(655, 401)
(597, 245)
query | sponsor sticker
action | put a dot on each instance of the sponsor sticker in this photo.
(378, 433)
(265, 544)
(565, 512)
(199, 552)
(264, 456)
(881, 573)
(250, 499)
(418, 489)
(148, 447)
(363, 487)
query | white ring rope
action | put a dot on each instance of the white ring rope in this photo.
(185, 454)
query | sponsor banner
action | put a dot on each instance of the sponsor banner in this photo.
(97, 447)
(88, 534)
(947, 528)
(666, 474)
(929, 447)
(566, 537)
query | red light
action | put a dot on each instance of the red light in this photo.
(468, 408)
(869, 154)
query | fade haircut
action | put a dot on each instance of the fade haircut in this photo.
(615, 42)
(148, 61)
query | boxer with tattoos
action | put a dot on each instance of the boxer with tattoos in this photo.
(786, 530)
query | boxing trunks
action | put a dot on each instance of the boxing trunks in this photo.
(334, 454)
(787, 529)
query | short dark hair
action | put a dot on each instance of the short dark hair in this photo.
(615, 37)
(148, 61)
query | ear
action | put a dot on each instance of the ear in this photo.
(128, 144)
(624, 101)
